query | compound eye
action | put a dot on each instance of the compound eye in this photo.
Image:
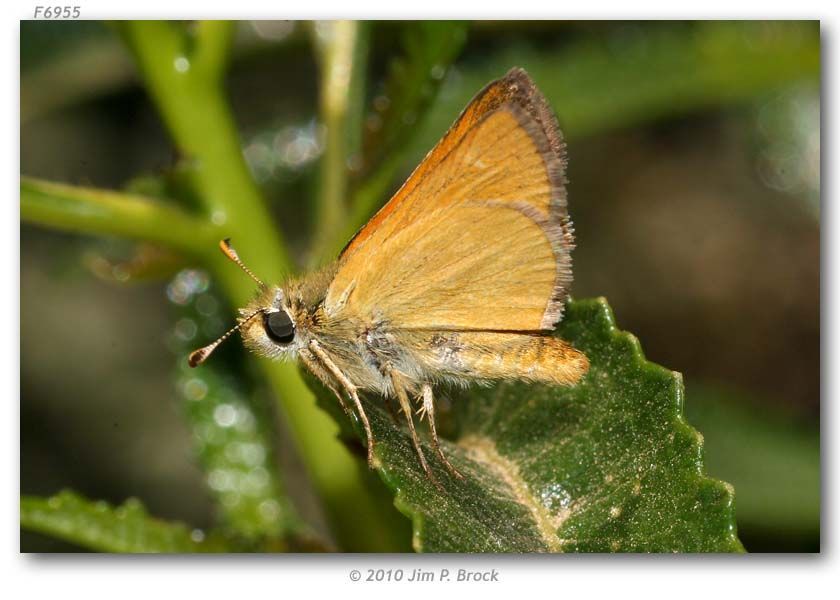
(279, 327)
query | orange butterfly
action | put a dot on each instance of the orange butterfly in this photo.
(459, 278)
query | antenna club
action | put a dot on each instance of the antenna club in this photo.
(197, 357)
(228, 250)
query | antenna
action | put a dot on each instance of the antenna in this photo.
(199, 356)
(228, 251)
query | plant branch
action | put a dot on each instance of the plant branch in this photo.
(340, 46)
(183, 76)
(212, 48)
(192, 104)
(411, 86)
(104, 212)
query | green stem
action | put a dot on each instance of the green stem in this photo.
(192, 104)
(212, 48)
(184, 75)
(340, 45)
(104, 212)
(411, 86)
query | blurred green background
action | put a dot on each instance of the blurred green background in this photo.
(694, 173)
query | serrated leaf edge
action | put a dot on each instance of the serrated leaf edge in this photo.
(674, 378)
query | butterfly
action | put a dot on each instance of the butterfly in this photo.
(459, 279)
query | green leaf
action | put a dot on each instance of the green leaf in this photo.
(100, 526)
(607, 465)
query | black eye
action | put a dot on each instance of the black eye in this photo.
(279, 327)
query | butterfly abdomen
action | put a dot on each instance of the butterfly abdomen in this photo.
(500, 355)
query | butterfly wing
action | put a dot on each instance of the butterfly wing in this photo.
(478, 237)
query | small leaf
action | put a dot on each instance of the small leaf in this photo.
(100, 526)
(607, 465)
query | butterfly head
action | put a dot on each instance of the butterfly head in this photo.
(268, 324)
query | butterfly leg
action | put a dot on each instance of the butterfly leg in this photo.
(330, 365)
(429, 410)
(316, 369)
(402, 396)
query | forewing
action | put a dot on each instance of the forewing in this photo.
(478, 237)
